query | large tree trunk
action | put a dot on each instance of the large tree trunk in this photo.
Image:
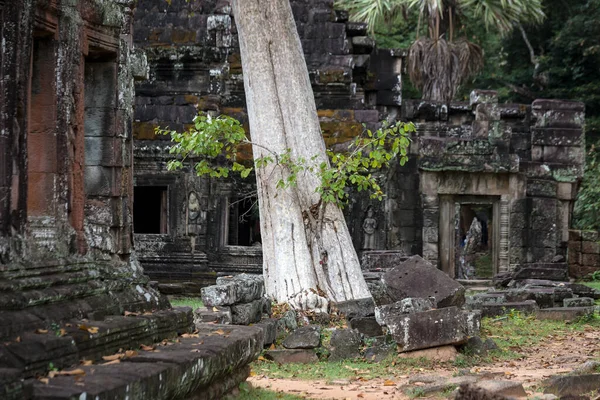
(308, 254)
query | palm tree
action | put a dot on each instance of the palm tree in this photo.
(438, 63)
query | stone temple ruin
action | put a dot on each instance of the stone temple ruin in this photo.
(86, 201)
(514, 167)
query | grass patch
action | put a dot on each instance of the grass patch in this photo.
(247, 392)
(593, 284)
(194, 302)
(484, 266)
(350, 369)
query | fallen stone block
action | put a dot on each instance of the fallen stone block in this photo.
(305, 337)
(366, 326)
(433, 328)
(345, 344)
(565, 313)
(544, 297)
(475, 345)
(416, 277)
(269, 327)
(572, 385)
(503, 388)
(406, 306)
(247, 313)
(441, 354)
(476, 301)
(494, 310)
(441, 385)
(287, 356)
(578, 302)
(473, 392)
(380, 348)
(287, 321)
(552, 274)
(583, 290)
(242, 288)
(356, 308)
(12, 386)
(217, 314)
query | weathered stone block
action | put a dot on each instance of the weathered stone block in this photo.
(578, 302)
(590, 260)
(356, 308)
(406, 306)
(367, 326)
(590, 236)
(590, 247)
(479, 96)
(247, 313)
(433, 328)
(345, 344)
(269, 327)
(242, 288)
(418, 278)
(287, 356)
(553, 274)
(218, 314)
(564, 313)
(305, 337)
(510, 389)
(572, 385)
(493, 310)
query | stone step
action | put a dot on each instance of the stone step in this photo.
(564, 313)
(494, 310)
(553, 274)
(205, 366)
(472, 283)
(65, 344)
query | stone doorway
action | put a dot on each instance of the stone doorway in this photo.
(474, 239)
(470, 236)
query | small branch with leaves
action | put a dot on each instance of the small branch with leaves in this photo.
(211, 138)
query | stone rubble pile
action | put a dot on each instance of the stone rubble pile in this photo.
(540, 289)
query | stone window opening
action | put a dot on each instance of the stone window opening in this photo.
(150, 209)
(242, 218)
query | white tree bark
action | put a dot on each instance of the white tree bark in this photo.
(308, 254)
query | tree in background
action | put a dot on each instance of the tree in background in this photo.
(441, 58)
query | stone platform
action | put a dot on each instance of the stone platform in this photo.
(203, 365)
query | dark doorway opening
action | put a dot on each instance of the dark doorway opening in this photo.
(244, 223)
(474, 240)
(150, 209)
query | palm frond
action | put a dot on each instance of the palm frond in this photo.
(503, 15)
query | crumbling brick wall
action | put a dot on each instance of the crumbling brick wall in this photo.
(584, 253)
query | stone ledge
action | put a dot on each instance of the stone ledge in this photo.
(205, 367)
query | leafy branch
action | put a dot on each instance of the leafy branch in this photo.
(215, 141)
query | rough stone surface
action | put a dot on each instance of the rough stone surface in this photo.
(379, 349)
(473, 392)
(345, 344)
(564, 313)
(243, 288)
(503, 388)
(416, 277)
(287, 321)
(367, 326)
(572, 385)
(286, 356)
(305, 337)
(406, 306)
(493, 310)
(209, 365)
(578, 302)
(269, 327)
(247, 313)
(433, 328)
(356, 308)
(441, 354)
(219, 315)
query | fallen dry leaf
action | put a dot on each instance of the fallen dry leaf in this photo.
(44, 380)
(146, 348)
(133, 314)
(131, 353)
(261, 358)
(272, 347)
(112, 362)
(41, 331)
(190, 335)
(215, 309)
(219, 332)
(389, 383)
(62, 332)
(90, 329)
(73, 372)
(113, 357)
(87, 362)
(18, 339)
